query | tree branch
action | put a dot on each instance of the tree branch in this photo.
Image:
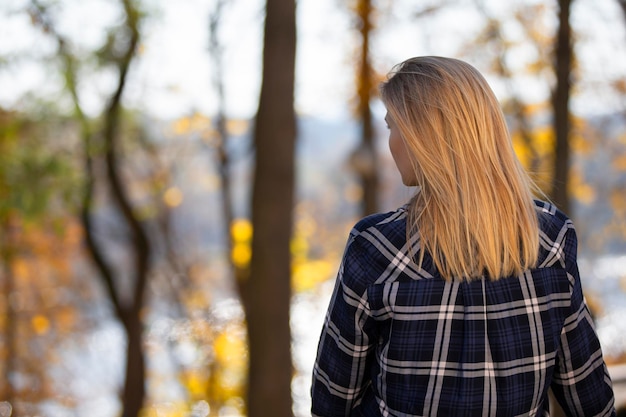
(111, 126)
(39, 16)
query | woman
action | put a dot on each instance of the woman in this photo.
(467, 300)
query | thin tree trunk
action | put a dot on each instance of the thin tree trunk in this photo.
(561, 125)
(129, 314)
(134, 378)
(560, 104)
(11, 322)
(267, 293)
(368, 169)
(224, 161)
(134, 385)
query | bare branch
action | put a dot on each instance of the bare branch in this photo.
(111, 126)
(40, 17)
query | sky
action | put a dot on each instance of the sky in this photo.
(172, 77)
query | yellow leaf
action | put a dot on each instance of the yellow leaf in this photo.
(21, 268)
(299, 246)
(173, 197)
(196, 384)
(580, 145)
(182, 126)
(230, 349)
(40, 324)
(544, 140)
(236, 127)
(306, 226)
(584, 193)
(241, 254)
(581, 190)
(522, 152)
(167, 409)
(199, 122)
(241, 230)
(307, 275)
(210, 182)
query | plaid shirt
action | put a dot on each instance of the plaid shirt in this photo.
(399, 340)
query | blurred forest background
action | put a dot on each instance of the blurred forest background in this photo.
(177, 181)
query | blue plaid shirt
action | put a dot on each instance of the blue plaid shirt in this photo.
(399, 340)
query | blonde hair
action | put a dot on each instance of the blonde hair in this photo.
(474, 212)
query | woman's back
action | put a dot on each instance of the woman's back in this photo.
(467, 301)
(430, 346)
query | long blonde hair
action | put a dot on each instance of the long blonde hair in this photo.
(474, 212)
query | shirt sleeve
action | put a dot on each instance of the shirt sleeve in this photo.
(340, 374)
(581, 381)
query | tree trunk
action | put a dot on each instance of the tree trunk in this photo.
(134, 384)
(267, 293)
(239, 272)
(367, 169)
(561, 126)
(127, 313)
(560, 105)
(10, 322)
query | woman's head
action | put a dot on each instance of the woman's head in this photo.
(447, 114)
(459, 152)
